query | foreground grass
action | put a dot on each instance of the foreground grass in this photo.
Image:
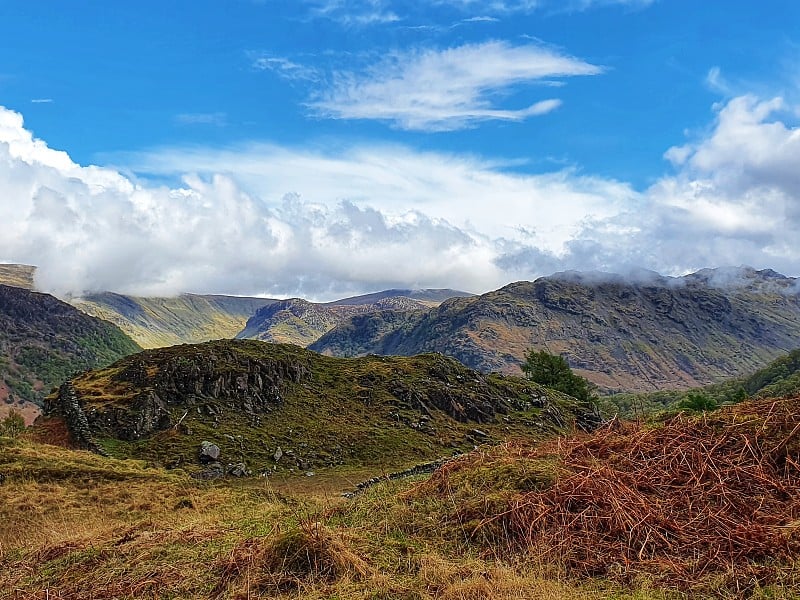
(76, 525)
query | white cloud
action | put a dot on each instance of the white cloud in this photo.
(219, 119)
(354, 12)
(474, 195)
(734, 200)
(529, 6)
(440, 90)
(284, 67)
(42, 101)
(327, 222)
(493, 6)
(481, 19)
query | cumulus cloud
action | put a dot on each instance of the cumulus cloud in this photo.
(327, 222)
(735, 197)
(441, 90)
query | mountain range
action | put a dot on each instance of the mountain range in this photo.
(636, 333)
(639, 333)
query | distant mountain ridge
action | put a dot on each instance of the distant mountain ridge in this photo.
(184, 319)
(156, 322)
(638, 334)
(430, 296)
(301, 322)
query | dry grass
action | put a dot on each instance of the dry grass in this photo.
(76, 525)
(700, 502)
(509, 523)
(305, 555)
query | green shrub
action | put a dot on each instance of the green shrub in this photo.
(13, 424)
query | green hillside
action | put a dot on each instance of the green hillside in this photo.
(779, 379)
(184, 319)
(44, 341)
(251, 398)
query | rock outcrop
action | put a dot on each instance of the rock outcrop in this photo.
(266, 407)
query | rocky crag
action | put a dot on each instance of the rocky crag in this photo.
(273, 407)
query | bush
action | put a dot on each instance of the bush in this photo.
(553, 371)
(13, 424)
(698, 402)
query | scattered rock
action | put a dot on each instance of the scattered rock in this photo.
(479, 433)
(238, 470)
(278, 454)
(309, 473)
(214, 470)
(209, 452)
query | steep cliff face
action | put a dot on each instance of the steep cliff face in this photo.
(652, 333)
(256, 401)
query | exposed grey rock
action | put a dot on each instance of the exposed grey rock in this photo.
(238, 470)
(69, 406)
(278, 454)
(213, 470)
(209, 452)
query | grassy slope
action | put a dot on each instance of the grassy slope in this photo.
(81, 526)
(17, 275)
(185, 319)
(76, 525)
(349, 413)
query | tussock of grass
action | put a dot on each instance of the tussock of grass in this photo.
(305, 554)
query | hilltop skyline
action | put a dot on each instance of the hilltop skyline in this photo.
(330, 147)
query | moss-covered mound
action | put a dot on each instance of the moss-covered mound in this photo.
(278, 407)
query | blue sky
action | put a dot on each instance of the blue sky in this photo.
(349, 145)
